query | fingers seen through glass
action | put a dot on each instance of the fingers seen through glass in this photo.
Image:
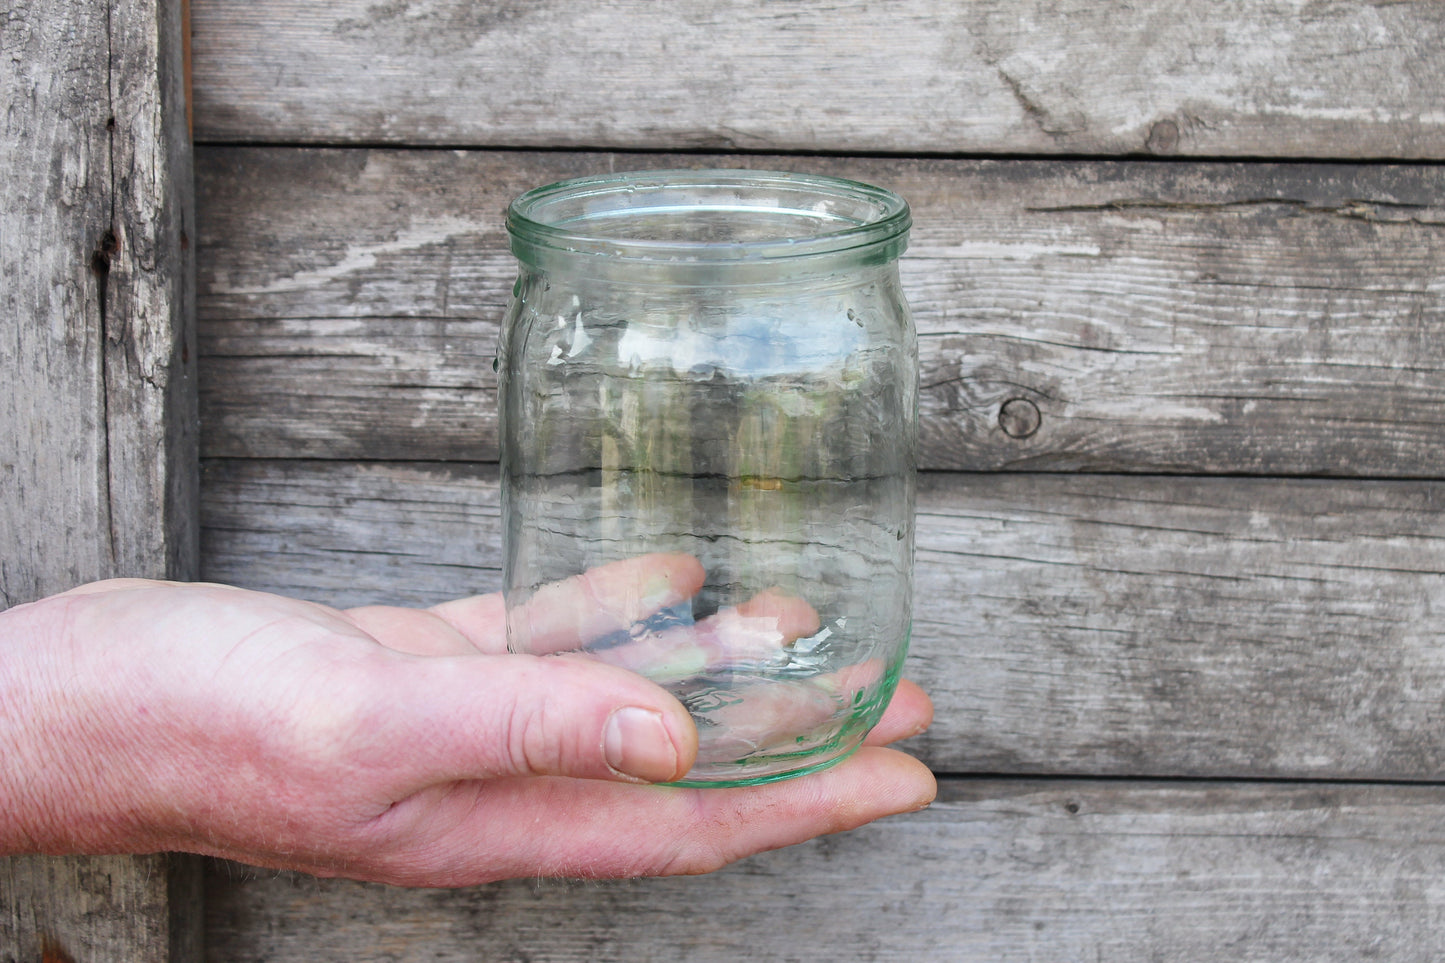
(758, 631)
(574, 612)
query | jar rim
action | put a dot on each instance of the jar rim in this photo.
(711, 216)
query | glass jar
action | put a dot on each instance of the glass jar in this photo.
(709, 385)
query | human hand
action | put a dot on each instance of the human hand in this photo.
(381, 743)
(751, 673)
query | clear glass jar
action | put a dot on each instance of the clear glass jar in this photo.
(709, 385)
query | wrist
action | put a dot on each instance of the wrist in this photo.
(60, 751)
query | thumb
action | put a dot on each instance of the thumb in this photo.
(489, 716)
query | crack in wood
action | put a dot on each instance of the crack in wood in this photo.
(1356, 209)
(1047, 120)
(101, 263)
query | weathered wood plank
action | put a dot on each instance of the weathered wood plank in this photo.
(1093, 625)
(56, 161)
(995, 871)
(97, 391)
(99, 418)
(1273, 319)
(350, 534)
(1245, 78)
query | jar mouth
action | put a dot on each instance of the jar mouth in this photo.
(709, 217)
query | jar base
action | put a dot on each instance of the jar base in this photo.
(722, 780)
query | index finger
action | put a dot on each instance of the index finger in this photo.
(599, 602)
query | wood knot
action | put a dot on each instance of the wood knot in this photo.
(1163, 138)
(1019, 418)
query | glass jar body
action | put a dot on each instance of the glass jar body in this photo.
(760, 421)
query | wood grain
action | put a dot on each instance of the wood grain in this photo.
(53, 348)
(98, 400)
(995, 871)
(352, 533)
(1087, 625)
(97, 392)
(1250, 78)
(1216, 318)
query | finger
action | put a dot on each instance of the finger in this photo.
(909, 713)
(757, 631)
(795, 618)
(873, 783)
(790, 715)
(477, 623)
(429, 632)
(481, 832)
(484, 717)
(607, 599)
(480, 619)
(785, 715)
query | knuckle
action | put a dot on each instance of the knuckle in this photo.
(697, 858)
(536, 733)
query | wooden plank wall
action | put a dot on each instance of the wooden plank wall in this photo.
(97, 394)
(1179, 277)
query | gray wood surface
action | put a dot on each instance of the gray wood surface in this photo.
(996, 871)
(97, 409)
(53, 349)
(1184, 317)
(97, 391)
(1094, 625)
(1230, 319)
(1253, 78)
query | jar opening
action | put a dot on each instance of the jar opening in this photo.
(708, 217)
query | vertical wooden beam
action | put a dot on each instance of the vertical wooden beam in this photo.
(98, 472)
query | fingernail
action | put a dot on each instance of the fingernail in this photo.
(636, 743)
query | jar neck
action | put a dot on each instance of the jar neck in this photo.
(707, 228)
